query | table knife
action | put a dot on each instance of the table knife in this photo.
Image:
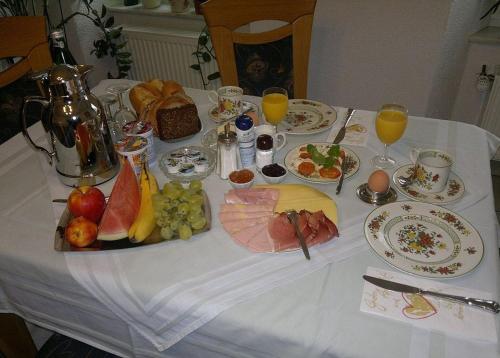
(292, 217)
(488, 305)
(341, 134)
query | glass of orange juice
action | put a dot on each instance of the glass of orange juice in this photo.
(390, 125)
(275, 104)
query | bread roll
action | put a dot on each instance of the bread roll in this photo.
(170, 88)
(142, 95)
(151, 98)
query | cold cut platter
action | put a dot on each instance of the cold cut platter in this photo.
(321, 162)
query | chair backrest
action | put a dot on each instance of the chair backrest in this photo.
(25, 37)
(225, 16)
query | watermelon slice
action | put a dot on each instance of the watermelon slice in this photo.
(122, 208)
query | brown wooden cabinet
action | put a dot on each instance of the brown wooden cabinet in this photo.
(15, 339)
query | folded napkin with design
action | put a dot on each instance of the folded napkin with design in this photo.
(356, 130)
(428, 312)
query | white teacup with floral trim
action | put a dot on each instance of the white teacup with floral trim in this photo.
(228, 100)
(432, 168)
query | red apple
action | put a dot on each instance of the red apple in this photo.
(87, 201)
(81, 232)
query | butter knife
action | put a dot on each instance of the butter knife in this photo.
(488, 305)
(292, 217)
(341, 134)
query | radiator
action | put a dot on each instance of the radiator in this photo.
(491, 116)
(166, 54)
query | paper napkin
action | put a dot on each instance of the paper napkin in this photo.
(356, 131)
(427, 312)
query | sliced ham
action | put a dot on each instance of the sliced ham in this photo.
(234, 226)
(251, 196)
(254, 238)
(316, 228)
(231, 208)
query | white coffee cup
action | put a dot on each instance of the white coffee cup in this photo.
(279, 138)
(432, 168)
(228, 100)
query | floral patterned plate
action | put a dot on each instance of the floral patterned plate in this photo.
(424, 239)
(293, 160)
(454, 190)
(213, 112)
(307, 117)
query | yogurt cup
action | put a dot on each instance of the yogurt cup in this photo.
(133, 149)
(143, 130)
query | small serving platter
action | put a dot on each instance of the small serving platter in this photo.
(187, 163)
(61, 244)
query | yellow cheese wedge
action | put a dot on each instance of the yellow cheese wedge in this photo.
(302, 197)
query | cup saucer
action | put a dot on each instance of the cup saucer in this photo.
(454, 189)
(213, 112)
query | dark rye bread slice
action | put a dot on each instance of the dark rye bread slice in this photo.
(177, 123)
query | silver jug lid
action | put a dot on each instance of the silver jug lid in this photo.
(65, 80)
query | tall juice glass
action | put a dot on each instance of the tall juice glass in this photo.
(390, 125)
(275, 104)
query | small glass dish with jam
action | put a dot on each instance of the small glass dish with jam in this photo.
(241, 179)
(274, 173)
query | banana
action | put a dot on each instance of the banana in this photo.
(145, 222)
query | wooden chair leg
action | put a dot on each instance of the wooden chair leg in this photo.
(15, 339)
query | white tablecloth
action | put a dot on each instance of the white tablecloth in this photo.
(314, 314)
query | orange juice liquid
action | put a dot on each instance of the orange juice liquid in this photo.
(275, 107)
(390, 125)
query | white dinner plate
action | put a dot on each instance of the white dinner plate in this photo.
(307, 117)
(453, 190)
(292, 160)
(424, 239)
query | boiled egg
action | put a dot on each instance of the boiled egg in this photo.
(378, 181)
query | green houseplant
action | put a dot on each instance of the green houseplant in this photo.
(111, 42)
(204, 53)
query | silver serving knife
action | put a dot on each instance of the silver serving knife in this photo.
(341, 134)
(341, 179)
(292, 217)
(488, 305)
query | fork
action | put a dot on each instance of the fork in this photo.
(292, 217)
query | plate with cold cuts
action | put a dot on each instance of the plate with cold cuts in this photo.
(424, 239)
(321, 162)
(256, 217)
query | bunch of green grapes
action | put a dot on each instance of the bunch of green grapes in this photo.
(179, 210)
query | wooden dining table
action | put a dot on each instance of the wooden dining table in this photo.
(209, 296)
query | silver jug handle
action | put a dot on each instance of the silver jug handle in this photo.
(45, 103)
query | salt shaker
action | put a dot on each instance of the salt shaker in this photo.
(228, 155)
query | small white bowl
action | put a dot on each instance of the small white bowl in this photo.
(274, 179)
(244, 185)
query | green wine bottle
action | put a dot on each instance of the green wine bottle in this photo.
(59, 49)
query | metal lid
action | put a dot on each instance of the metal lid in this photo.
(228, 136)
(63, 73)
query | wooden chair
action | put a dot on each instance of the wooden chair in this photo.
(225, 16)
(26, 37)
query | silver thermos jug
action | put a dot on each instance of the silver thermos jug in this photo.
(80, 143)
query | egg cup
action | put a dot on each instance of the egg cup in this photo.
(376, 198)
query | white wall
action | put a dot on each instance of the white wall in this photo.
(365, 53)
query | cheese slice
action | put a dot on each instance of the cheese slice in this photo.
(302, 197)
